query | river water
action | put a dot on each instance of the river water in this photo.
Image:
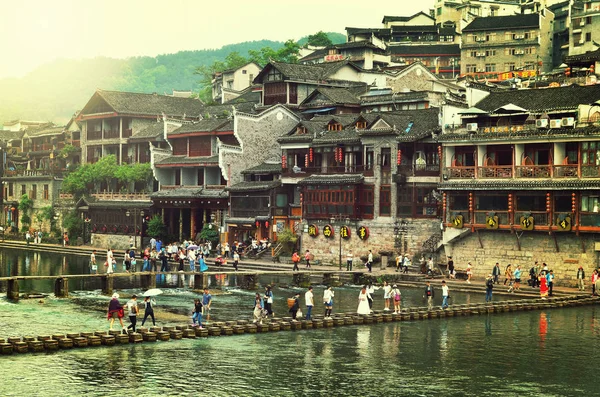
(540, 353)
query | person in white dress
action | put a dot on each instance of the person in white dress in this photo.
(386, 295)
(363, 302)
(328, 301)
(109, 261)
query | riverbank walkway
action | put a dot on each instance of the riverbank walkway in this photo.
(50, 343)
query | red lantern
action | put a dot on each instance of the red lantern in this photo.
(266, 224)
(440, 152)
(257, 223)
(573, 202)
(284, 162)
(510, 202)
(547, 202)
(310, 155)
(470, 201)
(592, 67)
(399, 157)
(306, 160)
(444, 202)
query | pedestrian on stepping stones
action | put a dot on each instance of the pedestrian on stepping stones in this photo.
(115, 311)
(132, 307)
(197, 314)
(396, 297)
(309, 301)
(236, 260)
(206, 302)
(429, 295)
(328, 295)
(258, 309)
(268, 301)
(387, 289)
(371, 294)
(295, 306)
(445, 295)
(149, 304)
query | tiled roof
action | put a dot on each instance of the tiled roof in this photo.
(8, 136)
(205, 125)
(333, 179)
(415, 121)
(529, 133)
(190, 192)
(519, 21)
(254, 186)
(426, 49)
(264, 168)
(331, 96)
(392, 18)
(349, 135)
(301, 72)
(542, 100)
(524, 184)
(44, 131)
(590, 56)
(119, 204)
(248, 221)
(153, 131)
(149, 104)
(247, 95)
(415, 28)
(379, 32)
(396, 97)
(183, 159)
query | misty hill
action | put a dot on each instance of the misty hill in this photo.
(56, 90)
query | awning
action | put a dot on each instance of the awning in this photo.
(473, 110)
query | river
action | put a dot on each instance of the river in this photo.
(538, 353)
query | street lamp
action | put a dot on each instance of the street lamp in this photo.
(86, 229)
(136, 212)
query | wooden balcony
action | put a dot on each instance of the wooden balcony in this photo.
(565, 171)
(495, 171)
(111, 134)
(36, 172)
(107, 196)
(461, 172)
(94, 135)
(342, 169)
(533, 171)
(590, 171)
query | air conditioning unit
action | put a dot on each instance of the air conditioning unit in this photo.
(472, 127)
(555, 123)
(520, 52)
(567, 121)
(519, 37)
(479, 38)
(541, 123)
(481, 54)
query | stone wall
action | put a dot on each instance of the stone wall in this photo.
(381, 238)
(501, 246)
(257, 135)
(118, 242)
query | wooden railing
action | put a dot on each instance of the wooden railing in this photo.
(590, 171)
(495, 171)
(337, 169)
(461, 172)
(565, 171)
(121, 196)
(533, 171)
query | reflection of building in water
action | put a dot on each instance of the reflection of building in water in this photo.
(363, 335)
(444, 341)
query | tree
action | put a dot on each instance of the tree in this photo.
(210, 233)
(46, 214)
(289, 53)
(25, 205)
(73, 223)
(319, 39)
(104, 169)
(156, 227)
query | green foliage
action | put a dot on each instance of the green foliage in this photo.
(319, 39)
(45, 214)
(133, 173)
(25, 206)
(287, 239)
(210, 234)
(67, 151)
(73, 223)
(156, 227)
(334, 37)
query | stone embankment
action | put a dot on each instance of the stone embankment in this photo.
(48, 343)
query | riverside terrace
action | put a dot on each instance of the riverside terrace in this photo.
(57, 341)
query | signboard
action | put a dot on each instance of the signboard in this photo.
(334, 57)
(328, 231)
(563, 223)
(313, 230)
(345, 232)
(363, 232)
(526, 223)
(457, 221)
(491, 222)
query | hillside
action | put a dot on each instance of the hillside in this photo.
(56, 90)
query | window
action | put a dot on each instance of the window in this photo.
(361, 124)
(439, 11)
(23, 190)
(509, 66)
(244, 71)
(275, 93)
(404, 201)
(10, 189)
(201, 177)
(472, 54)
(426, 202)
(588, 37)
(530, 50)
(333, 126)
(490, 67)
(490, 37)
(490, 53)
(200, 146)
(590, 153)
(367, 201)
(274, 75)
(46, 192)
(281, 200)
(177, 172)
(33, 192)
(471, 68)
(588, 20)
(324, 201)
(369, 157)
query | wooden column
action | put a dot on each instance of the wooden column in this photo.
(192, 223)
(181, 224)
(148, 281)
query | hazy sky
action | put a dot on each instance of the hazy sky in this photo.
(34, 32)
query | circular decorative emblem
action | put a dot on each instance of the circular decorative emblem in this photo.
(313, 230)
(328, 231)
(363, 232)
(345, 232)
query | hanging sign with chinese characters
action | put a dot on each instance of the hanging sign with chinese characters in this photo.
(313, 230)
(328, 231)
(491, 222)
(563, 223)
(345, 232)
(456, 221)
(363, 232)
(527, 222)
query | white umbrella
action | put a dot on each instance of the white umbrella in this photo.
(192, 247)
(153, 292)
